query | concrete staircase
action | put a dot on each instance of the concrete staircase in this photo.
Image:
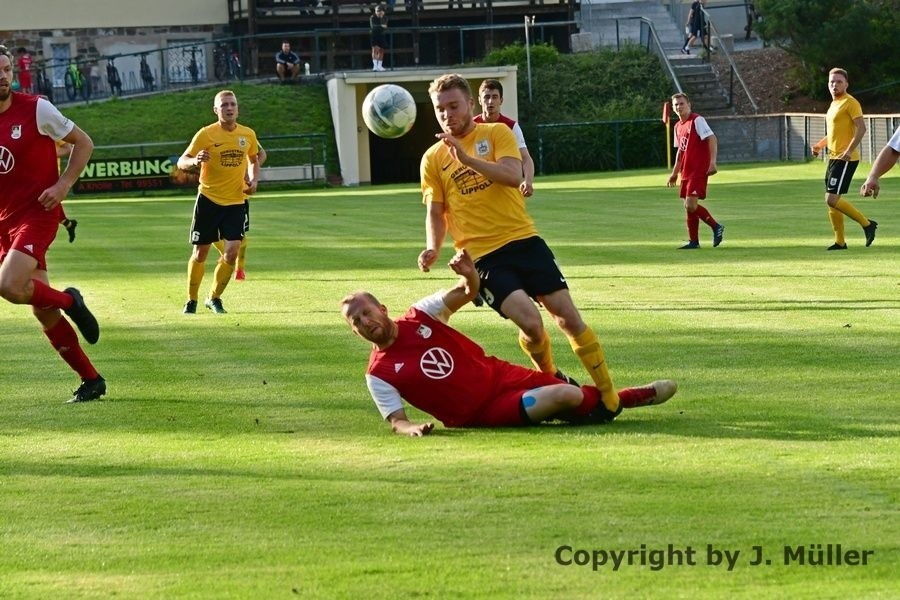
(613, 22)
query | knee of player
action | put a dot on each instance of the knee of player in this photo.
(531, 328)
(13, 292)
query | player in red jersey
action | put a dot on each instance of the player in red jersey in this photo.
(696, 162)
(490, 96)
(29, 215)
(440, 371)
(24, 64)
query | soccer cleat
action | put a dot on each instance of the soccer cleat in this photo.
(190, 307)
(836, 246)
(718, 232)
(70, 229)
(647, 395)
(692, 245)
(601, 414)
(239, 275)
(82, 317)
(565, 378)
(870, 232)
(90, 389)
(215, 305)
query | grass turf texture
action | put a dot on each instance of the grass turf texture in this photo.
(239, 455)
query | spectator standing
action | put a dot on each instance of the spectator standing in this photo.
(695, 25)
(378, 24)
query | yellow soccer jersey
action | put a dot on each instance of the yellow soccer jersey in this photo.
(839, 122)
(222, 176)
(481, 215)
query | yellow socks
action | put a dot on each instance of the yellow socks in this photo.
(223, 276)
(242, 254)
(851, 211)
(195, 273)
(587, 347)
(837, 224)
(540, 353)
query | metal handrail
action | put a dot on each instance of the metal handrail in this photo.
(733, 72)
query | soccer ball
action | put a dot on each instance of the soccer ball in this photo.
(389, 111)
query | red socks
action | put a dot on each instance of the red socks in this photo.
(46, 297)
(65, 341)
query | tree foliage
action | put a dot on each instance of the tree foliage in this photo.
(857, 35)
(605, 85)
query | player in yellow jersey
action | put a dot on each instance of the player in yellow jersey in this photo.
(470, 186)
(239, 273)
(222, 151)
(845, 128)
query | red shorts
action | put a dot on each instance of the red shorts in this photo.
(32, 236)
(694, 186)
(505, 407)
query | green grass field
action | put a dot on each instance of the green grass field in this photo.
(239, 455)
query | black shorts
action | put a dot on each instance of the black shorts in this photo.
(213, 222)
(378, 40)
(246, 215)
(527, 265)
(838, 176)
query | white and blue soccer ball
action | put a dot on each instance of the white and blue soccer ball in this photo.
(389, 111)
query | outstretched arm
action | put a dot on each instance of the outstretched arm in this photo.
(886, 159)
(467, 288)
(402, 425)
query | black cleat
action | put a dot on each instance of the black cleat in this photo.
(565, 378)
(601, 414)
(215, 305)
(90, 389)
(82, 317)
(718, 232)
(70, 226)
(690, 246)
(870, 232)
(190, 307)
(836, 246)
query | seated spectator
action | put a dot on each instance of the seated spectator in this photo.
(287, 63)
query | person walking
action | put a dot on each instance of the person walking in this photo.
(227, 155)
(695, 160)
(33, 189)
(845, 128)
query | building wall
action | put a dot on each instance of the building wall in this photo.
(21, 15)
(88, 30)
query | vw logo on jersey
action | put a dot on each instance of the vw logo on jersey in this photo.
(7, 160)
(436, 363)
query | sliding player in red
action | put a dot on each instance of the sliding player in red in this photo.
(421, 359)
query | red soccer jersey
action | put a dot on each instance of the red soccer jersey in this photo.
(437, 369)
(691, 139)
(27, 159)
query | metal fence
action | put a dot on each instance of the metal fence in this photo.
(641, 143)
